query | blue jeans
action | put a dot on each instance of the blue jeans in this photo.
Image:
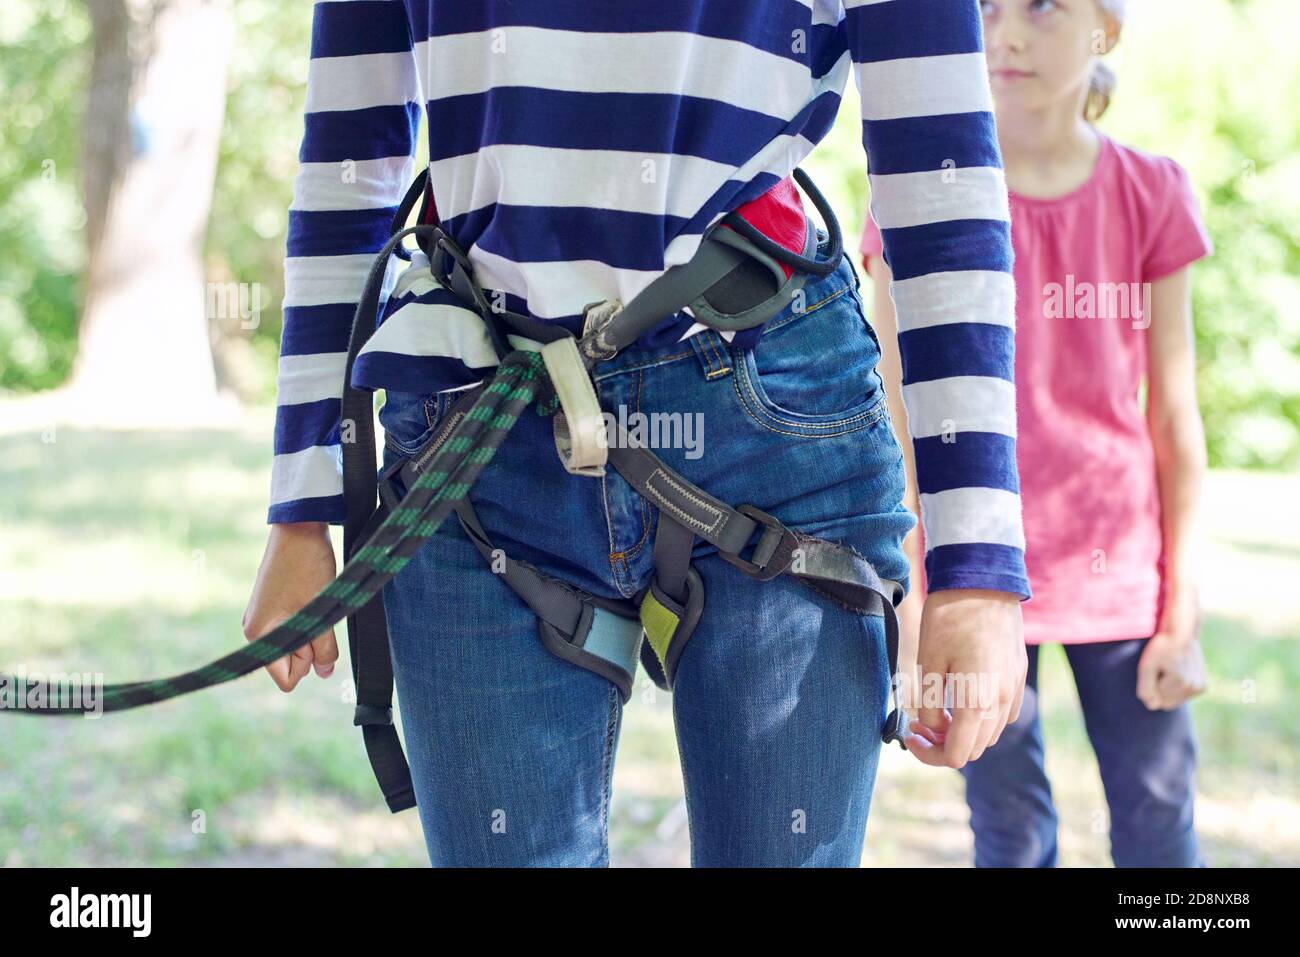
(1147, 761)
(779, 696)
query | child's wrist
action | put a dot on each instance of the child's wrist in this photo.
(1180, 590)
(1180, 615)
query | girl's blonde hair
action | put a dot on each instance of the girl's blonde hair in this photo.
(1103, 81)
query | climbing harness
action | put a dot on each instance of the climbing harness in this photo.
(735, 281)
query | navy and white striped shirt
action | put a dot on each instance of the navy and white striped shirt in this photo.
(578, 148)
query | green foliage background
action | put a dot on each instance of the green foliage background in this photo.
(1210, 82)
(1216, 85)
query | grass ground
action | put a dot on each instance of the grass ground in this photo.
(131, 553)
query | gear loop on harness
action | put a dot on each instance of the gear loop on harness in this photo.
(579, 426)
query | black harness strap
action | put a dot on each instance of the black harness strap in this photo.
(372, 665)
(674, 543)
(372, 676)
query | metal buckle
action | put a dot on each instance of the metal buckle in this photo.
(596, 318)
(769, 544)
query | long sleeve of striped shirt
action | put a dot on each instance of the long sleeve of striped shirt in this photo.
(544, 116)
(939, 195)
(364, 105)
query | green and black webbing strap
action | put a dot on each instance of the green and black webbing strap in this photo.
(410, 524)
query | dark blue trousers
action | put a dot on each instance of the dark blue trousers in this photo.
(1147, 761)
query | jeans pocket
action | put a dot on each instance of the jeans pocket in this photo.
(817, 368)
(410, 418)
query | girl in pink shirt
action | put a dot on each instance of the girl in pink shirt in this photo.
(1103, 237)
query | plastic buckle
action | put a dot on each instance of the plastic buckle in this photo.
(368, 714)
(762, 567)
(896, 728)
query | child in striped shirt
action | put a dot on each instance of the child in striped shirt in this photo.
(1104, 237)
(578, 149)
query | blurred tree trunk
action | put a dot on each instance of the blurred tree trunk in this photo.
(153, 123)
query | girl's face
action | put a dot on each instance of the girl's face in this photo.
(1042, 51)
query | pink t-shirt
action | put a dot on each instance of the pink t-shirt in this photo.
(1087, 469)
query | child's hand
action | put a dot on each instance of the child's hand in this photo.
(298, 563)
(1172, 667)
(974, 637)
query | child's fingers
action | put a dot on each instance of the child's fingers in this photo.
(962, 736)
(925, 751)
(1148, 691)
(936, 718)
(279, 672)
(928, 733)
(1173, 690)
(325, 651)
(1013, 713)
(299, 666)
